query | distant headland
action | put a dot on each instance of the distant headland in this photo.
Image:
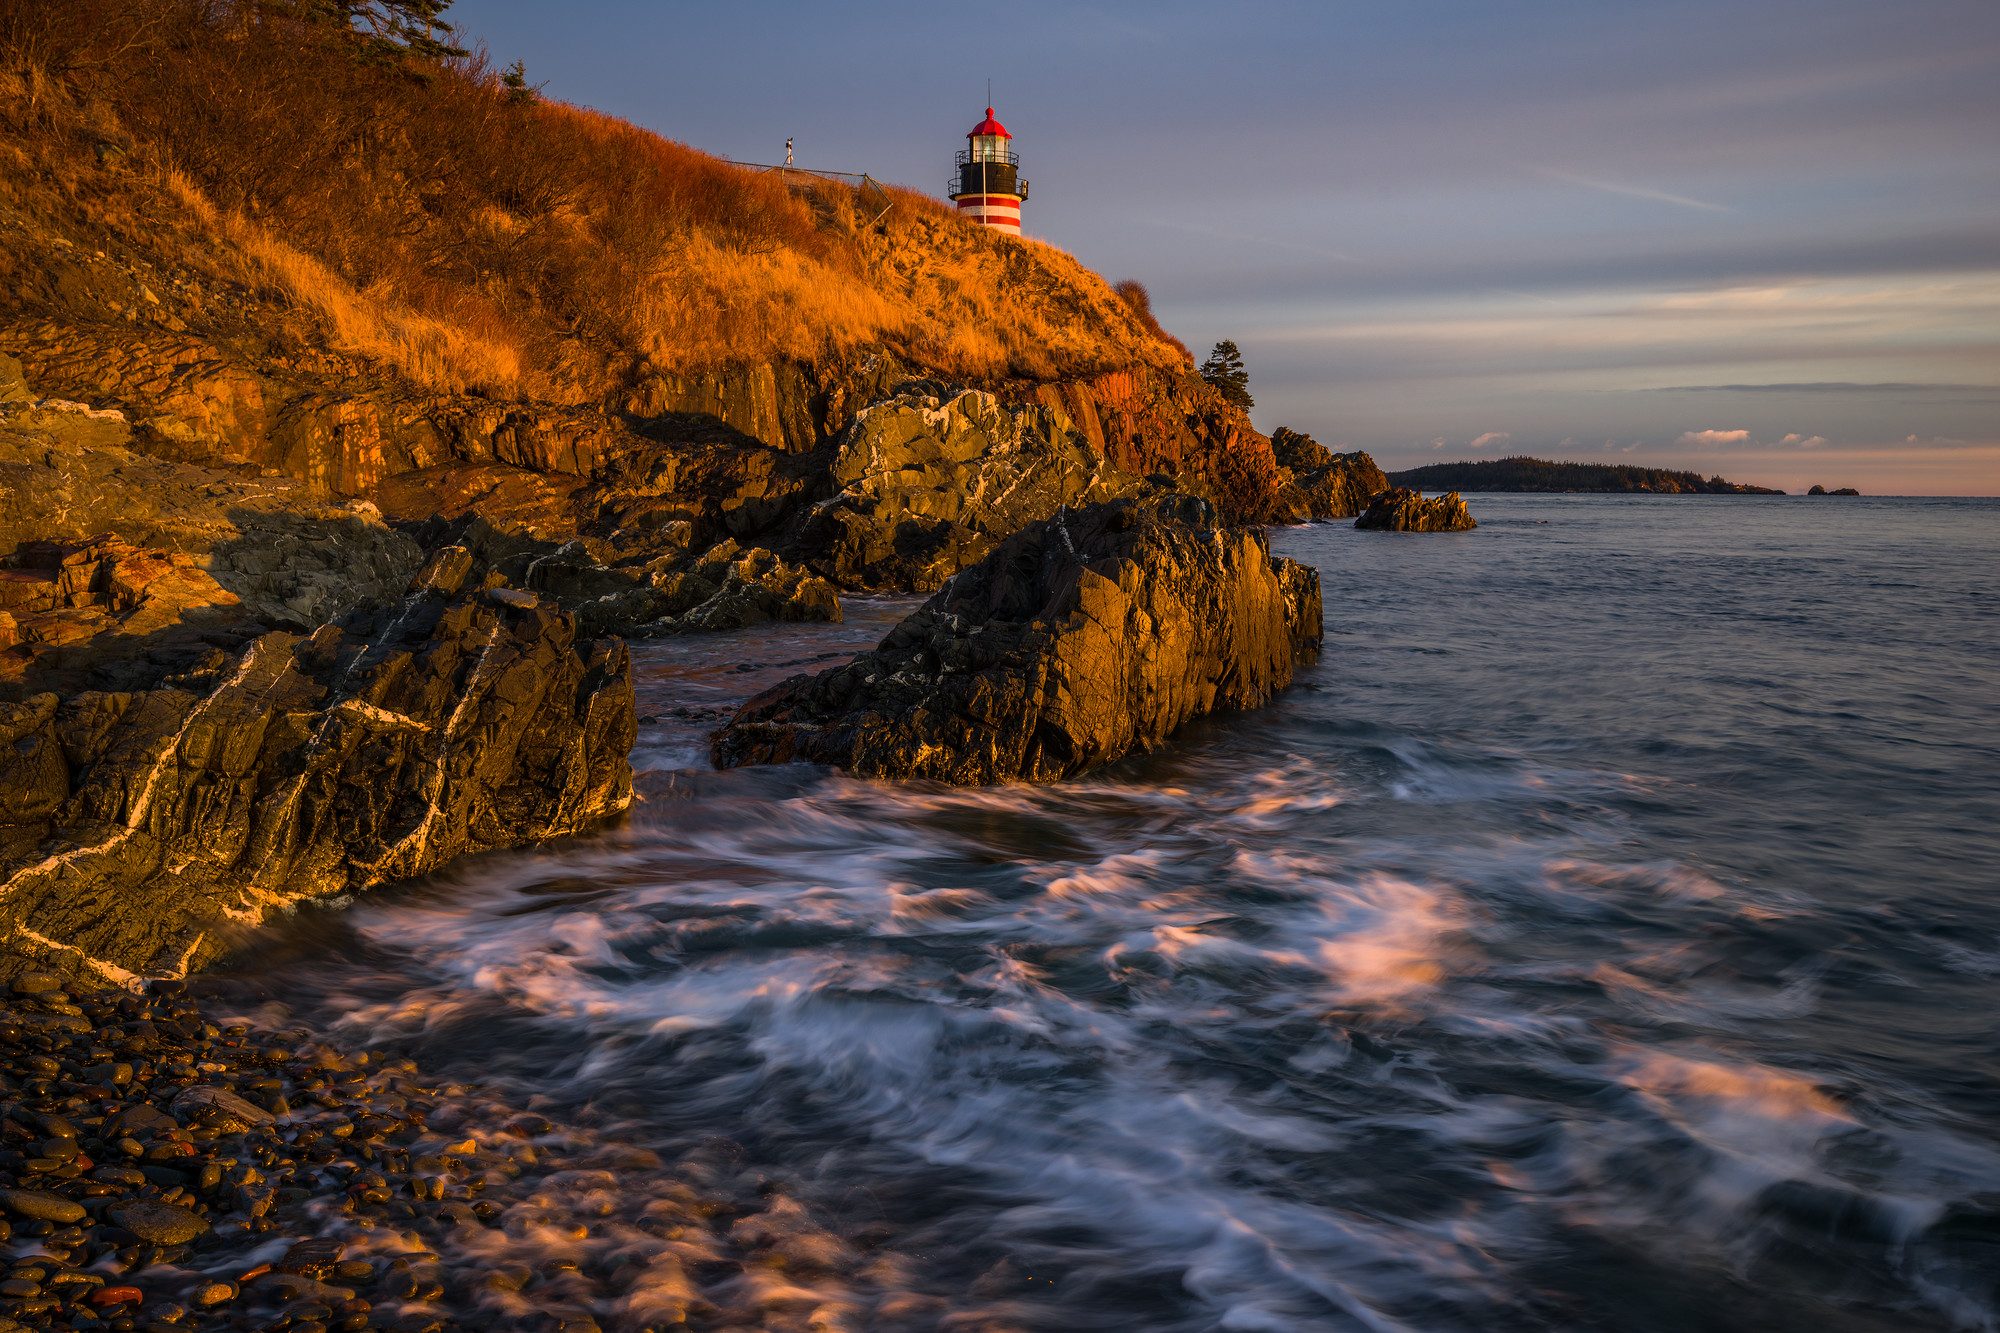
(1535, 474)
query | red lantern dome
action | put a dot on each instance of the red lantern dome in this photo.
(990, 126)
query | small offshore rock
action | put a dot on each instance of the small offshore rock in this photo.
(1400, 510)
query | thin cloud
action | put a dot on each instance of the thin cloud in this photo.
(1709, 439)
(1632, 191)
(1491, 437)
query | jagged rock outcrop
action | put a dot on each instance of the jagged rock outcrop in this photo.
(931, 479)
(138, 828)
(1325, 484)
(660, 585)
(1082, 638)
(724, 587)
(1399, 510)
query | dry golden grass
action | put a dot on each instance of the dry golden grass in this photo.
(432, 352)
(540, 249)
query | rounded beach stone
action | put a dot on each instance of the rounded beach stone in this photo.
(37, 983)
(210, 1294)
(41, 1205)
(157, 1223)
(222, 1106)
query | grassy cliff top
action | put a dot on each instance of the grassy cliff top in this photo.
(470, 237)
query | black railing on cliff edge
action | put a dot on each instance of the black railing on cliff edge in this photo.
(806, 179)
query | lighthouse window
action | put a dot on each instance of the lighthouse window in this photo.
(986, 148)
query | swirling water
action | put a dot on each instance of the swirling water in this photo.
(1603, 935)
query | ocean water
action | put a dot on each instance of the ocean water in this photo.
(1604, 934)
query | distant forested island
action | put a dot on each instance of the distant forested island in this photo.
(1535, 474)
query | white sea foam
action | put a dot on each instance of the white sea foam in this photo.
(1419, 1029)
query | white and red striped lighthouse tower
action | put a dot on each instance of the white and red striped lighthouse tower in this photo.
(989, 188)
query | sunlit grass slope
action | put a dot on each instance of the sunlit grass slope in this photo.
(471, 239)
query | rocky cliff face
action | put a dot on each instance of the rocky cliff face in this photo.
(137, 828)
(1081, 638)
(1406, 511)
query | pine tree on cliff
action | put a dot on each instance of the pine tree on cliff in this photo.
(384, 32)
(519, 91)
(1224, 369)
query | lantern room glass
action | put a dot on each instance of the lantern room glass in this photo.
(989, 148)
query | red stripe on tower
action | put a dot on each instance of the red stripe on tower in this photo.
(988, 188)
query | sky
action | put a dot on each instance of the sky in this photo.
(1759, 238)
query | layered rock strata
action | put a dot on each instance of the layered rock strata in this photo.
(1078, 640)
(1399, 510)
(137, 828)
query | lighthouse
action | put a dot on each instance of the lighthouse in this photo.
(988, 188)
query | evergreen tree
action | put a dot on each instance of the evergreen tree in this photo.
(383, 32)
(516, 79)
(1224, 370)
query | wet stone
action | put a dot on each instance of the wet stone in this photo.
(41, 1205)
(221, 1109)
(57, 1127)
(207, 1295)
(158, 1223)
(316, 1259)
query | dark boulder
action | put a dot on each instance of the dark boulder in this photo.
(1399, 510)
(1082, 638)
